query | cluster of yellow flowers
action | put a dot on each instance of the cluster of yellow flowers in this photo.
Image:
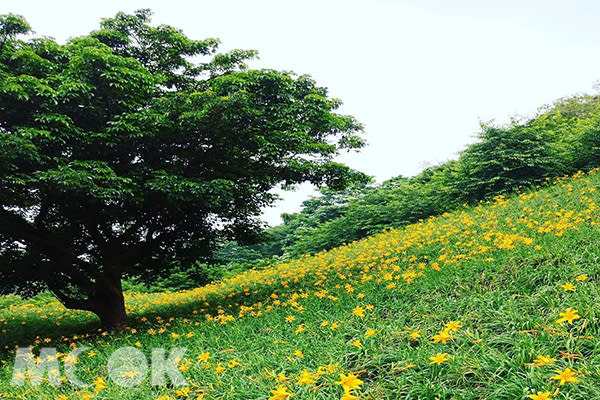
(392, 260)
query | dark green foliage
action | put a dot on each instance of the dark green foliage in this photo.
(120, 156)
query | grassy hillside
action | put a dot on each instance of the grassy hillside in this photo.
(496, 301)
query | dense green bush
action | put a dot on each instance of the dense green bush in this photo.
(507, 158)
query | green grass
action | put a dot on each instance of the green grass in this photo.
(507, 296)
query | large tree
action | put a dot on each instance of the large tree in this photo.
(134, 148)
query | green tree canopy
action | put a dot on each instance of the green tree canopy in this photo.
(134, 148)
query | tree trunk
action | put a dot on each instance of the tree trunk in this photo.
(108, 303)
(104, 298)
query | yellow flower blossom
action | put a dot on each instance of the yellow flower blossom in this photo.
(349, 396)
(306, 378)
(439, 358)
(358, 311)
(453, 325)
(443, 336)
(566, 376)
(568, 287)
(414, 335)
(540, 396)
(370, 332)
(183, 392)
(349, 382)
(542, 361)
(569, 316)
(219, 368)
(281, 393)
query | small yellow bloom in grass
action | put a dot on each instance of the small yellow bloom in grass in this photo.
(415, 335)
(183, 392)
(130, 374)
(349, 396)
(138, 344)
(569, 315)
(282, 378)
(306, 378)
(335, 325)
(204, 356)
(100, 384)
(87, 396)
(540, 396)
(174, 335)
(70, 360)
(290, 319)
(453, 325)
(439, 358)
(581, 278)
(321, 370)
(300, 329)
(281, 393)
(184, 368)
(234, 363)
(358, 311)
(442, 336)
(219, 368)
(357, 344)
(190, 335)
(568, 375)
(568, 287)
(324, 323)
(349, 382)
(298, 354)
(62, 397)
(370, 332)
(91, 354)
(542, 361)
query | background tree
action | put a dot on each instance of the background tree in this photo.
(507, 158)
(560, 139)
(135, 148)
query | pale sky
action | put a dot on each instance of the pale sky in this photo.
(419, 75)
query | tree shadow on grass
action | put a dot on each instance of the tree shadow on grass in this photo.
(82, 325)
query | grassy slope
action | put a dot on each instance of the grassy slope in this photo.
(497, 268)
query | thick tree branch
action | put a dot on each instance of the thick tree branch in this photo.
(16, 226)
(69, 302)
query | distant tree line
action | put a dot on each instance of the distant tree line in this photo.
(561, 139)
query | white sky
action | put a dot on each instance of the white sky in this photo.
(419, 75)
